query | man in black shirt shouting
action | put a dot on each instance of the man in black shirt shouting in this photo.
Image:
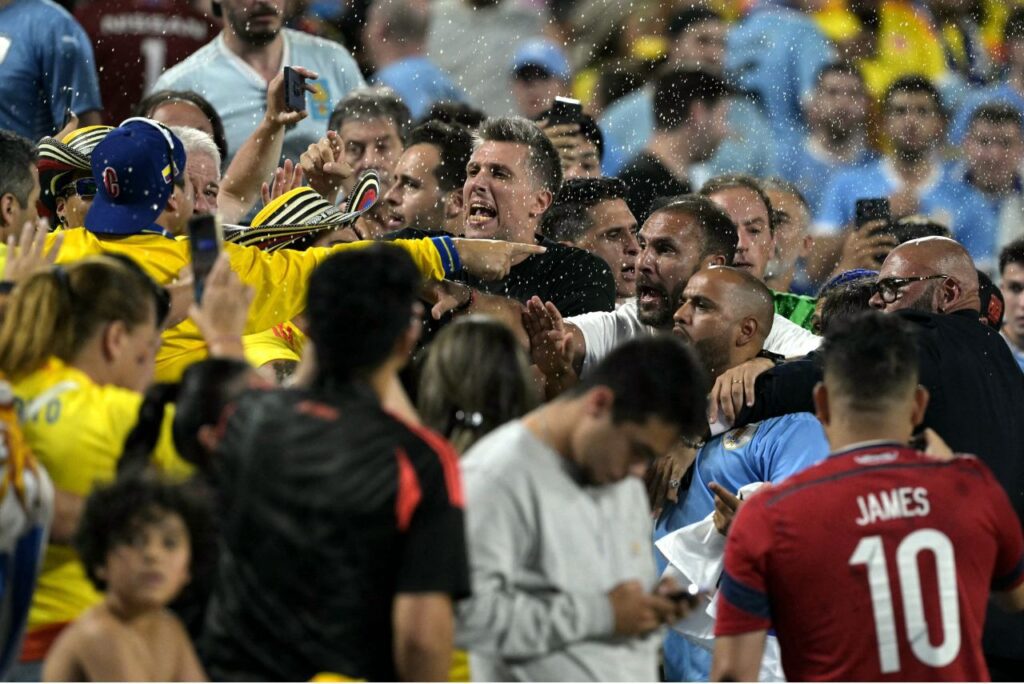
(343, 541)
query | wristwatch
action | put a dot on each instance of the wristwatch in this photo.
(771, 356)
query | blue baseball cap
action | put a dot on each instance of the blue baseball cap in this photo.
(542, 54)
(135, 167)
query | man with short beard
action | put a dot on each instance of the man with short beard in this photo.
(837, 114)
(234, 70)
(913, 176)
(726, 314)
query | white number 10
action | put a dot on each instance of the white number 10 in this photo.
(870, 552)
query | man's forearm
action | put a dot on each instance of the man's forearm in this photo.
(254, 162)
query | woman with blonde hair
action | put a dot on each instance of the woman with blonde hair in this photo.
(78, 345)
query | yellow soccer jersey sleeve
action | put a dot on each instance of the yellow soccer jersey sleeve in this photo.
(77, 429)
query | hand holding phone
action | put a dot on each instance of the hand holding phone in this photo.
(565, 110)
(206, 238)
(294, 90)
(872, 209)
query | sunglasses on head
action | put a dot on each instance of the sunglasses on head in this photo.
(83, 187)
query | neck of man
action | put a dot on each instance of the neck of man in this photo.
(913, 167)
(843, 148)
(265, 59)
(1015, 339)
(783, 281)
(553, 423)
(854, 428)
(671, 149)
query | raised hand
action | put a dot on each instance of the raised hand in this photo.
(325, 167)
(27, 254)
(277, 113)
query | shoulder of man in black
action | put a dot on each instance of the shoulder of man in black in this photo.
(573, 279)
(415, 234)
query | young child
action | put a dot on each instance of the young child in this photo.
(135, 539)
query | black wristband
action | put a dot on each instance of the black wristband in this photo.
(771, 356)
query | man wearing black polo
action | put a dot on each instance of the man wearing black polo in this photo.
(343, 539)
(976, 388)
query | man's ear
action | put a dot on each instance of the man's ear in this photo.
(60, 206)
(807, 244)
(539, 202)
(9, 208)
(921, 397)
(748, 328)
(821, 406)
(453, 204)
(598, 401)
(714, 260)
(950, 293)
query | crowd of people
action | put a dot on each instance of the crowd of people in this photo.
(534, 341)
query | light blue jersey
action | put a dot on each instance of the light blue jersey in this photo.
(945, 198)
(239, 94)
(777, 52)
(807, 168)
(46, 67)
(420, 83)
(629, 123)
(769, 451)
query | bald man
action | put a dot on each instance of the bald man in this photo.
(976, 387)
(726, 314)
(932, 274)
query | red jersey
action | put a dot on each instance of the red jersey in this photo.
(135, 41)
(875, 564)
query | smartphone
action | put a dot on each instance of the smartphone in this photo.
(206, 238)
(873, 209)
(565, 110)
(294, 90)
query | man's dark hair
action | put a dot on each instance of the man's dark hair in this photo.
(913, 84)
(149, 104)
(653, 377)
(543, 159)
(1012, 253)
(869, 359)
(719, 235)
(569, 218)
(404, 22)
(359, 304)
(113, 513)
(366, 104)
(1013, 30)
(842, 68)
(737, 180)
(454, 145)
(997, 113)
(451, 112)
(676, 92)
(839, 303)
(691, 17)
(915, 227)
(17, 157)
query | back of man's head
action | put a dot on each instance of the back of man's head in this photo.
(870, 362)
(653, 377)
(568, 218)
(17, 159)
(676, 92)
(545, 165)
(404, 21)
(367, 104)
(749, 298)
(719, 235)
(359, 304)
(454, 146)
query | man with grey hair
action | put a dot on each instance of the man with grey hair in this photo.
(372, 125)
(395, 37)
(202, 167)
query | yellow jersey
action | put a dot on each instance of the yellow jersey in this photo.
(279, 279)
(283, 342)
(76, 428)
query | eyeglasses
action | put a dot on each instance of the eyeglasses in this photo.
(889, 288)
(83, 187)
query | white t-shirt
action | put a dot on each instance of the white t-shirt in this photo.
(605, 330)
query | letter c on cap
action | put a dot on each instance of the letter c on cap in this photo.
(110, 182)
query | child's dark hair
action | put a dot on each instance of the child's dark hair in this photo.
(113, 512)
